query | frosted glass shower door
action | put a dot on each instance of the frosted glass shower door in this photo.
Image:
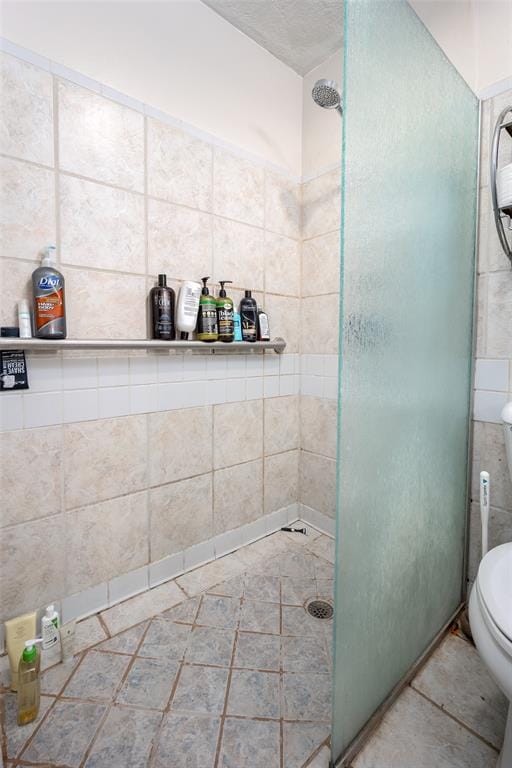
(408, 232)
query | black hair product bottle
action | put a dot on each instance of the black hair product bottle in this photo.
(162, 311)
(249, 317)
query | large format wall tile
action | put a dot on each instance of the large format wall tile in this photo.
(27, 209)
(321, 204)
(282, 205)
(284, 319)
(27, 495)
(499, 315)
(489, 455)
(180, 444)
(238, 495)
(321, 265)
(103, 459)
(238, 254)
(101, 226)
(32, 566)
(319, 324)
(237, 433)
(319, 425)
(281, 424)
(15, 279)
(179, 241)
(181, 515)
(105, 540)
(282, 265)
(318, 483)
(179, 166)
(100, 305)
(281, 480)
(99, 138)
(237, 188)
(26, 118)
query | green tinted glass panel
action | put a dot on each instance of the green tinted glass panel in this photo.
(408, 231)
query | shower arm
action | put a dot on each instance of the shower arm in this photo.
(499, 215)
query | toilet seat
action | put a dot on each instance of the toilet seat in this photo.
(494, 585)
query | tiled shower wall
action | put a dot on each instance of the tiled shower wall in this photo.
(119, 471)
(493, 373)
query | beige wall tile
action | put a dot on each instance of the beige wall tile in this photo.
(489, 455)
(238, 495)
(32, 566)
(499, 315)
(180, 444)
(15, 279)
(99, 138)
(179, 241)
(101, 226)
(321, 204)
(103, 459)
(282, 265)
(320, 325)
(281, 424)
(237, 188)
(27, 209)
(318, 483)
(26, 118)
(105, 540)
(281, 480)
(282, 205)
(179, 166)
(237, 433)
(318, 425)
(181, 515)
(284, 319)
(100, 305)
(500, 532)
(30, 474)
(238, 254)
(321, 265)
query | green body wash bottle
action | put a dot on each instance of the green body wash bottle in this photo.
(207, 328)
(225, 314)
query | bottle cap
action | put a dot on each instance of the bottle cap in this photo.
(48, 259)
(222, 292)
(162, 281)
(50, 610)
(30, 650)
(248, 294)
(204, 289)
(23, 307)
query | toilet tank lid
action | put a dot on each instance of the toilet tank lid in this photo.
(495, 584)
(506, 414)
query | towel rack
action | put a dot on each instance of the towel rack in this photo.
(501, 215)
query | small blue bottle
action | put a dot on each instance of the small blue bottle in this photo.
(238, 326)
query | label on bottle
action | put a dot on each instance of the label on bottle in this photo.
(248, 318)
(226, 319)
(49, 300)
(163, 308)
(190, 299)
(263, 327)
(207, 319)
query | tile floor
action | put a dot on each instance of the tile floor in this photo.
(223, 668)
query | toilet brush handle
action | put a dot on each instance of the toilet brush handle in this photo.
(484, 509)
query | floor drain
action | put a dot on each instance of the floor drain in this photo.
(320, 609)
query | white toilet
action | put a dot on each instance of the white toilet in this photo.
(490, 612)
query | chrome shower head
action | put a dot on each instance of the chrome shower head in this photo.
(326, 94)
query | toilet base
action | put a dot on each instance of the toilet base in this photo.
(505, 758)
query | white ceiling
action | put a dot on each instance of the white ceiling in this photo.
(301, 33)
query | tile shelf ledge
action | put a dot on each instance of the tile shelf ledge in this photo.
(277, 345)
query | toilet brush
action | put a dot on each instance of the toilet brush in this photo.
(484, 509)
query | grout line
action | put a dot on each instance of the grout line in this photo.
(453, 717)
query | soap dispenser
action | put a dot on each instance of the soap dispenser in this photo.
(207, 328)
(29, 687)
(225, 314)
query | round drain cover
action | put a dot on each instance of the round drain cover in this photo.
(320, 609)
